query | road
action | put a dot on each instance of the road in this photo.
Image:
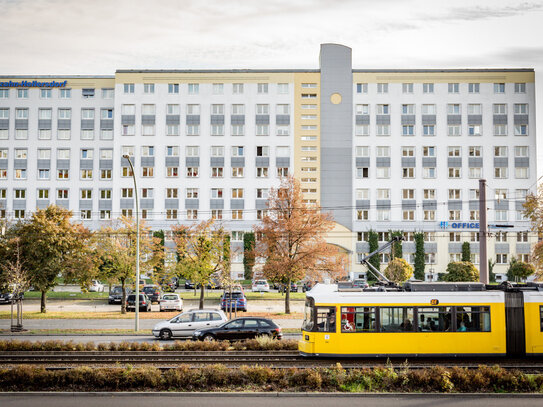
(262, 400)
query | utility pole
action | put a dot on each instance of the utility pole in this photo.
(483, 262)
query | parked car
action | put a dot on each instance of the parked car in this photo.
(154, 292)
(238, 301)
(308, 285)
(144, 303)
(184, 325)
(171, 302)
(261, 286)
(360, 283)
(96, 287)
(239, 329)
(189, 285)
(116, 294)
(293, 288)
(7, 297)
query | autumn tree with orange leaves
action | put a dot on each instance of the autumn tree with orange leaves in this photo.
(533, 210)
(291, 239)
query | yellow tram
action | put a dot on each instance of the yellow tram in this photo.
(423, 319)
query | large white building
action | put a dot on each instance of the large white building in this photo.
(381, 149)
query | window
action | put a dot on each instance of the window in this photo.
(87, 93)
(474, 108)
(475, 151)
(193, 129)
(362, 214)
(21, 114)
(4, 93)
(148, 88)
(361, 88)
(237, 214)
(362, 172)
(86, 174)
(396, 319)
(86, 194)
(21, 153)
(193, 110)
(383, 109)
(217, 172)
(86, 153)
(499, 88)
(108, 93)
(500, 129)
(262, 130)
(454, 151)
(192, 193)
(194, 88)
(147, 172)
(429, 130)
(408, 172)
(428, 109)
(172, 171)
(22, 93)
(262, 88)
(408, 109)
(42, 194)
(473, 87)
(521, 172)
(173, 88)
(455, 172)
(501, 258)
(21, 134)
(455, 215)
(43, 174)
(63, 174)
(408, 130)
(192, 214)
(382, 88)
(499, 108)
(521, 108)
(358, 319)
(192, 151)
(454, 88)
(128, 88)
(362, 130)
(383, 130)
(521, 130)
(408, 215)
(429, 151)
(520, 88)
(237, 172)
(171, 213)
(429, 194)
(237, 88)
(105, 194)
(282, 88)
(237, 193)
(192, 172)
(282, 172)
(429, 215)
(106, 113)
(407, 88)
(427, 88)
(475, 172)
(453, 109)
(383, 172)
(454, 194)
(282, 109)
(64, 114)
(237, 130)
(147, 192)
(19, 214)
(363, 109)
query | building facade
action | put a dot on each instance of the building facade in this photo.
(383, 150)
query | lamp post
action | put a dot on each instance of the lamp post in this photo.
(137, 297)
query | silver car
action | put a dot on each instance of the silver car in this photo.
(183, 325)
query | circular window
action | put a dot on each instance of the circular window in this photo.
(335, 98)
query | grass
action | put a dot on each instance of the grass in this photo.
(66, 295)
(130, 315)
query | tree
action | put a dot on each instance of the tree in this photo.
(50, 246)
(292, 239)
(248, 254)
(14, 277)
(533, 210)
(519, 270)
(398, 270)
(466, 252)
(373, 244)
(420, 261)
(396, 250)
(491, 274)
(116, 250)
(461, 271)
(201, 253)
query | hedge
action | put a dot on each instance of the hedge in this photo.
(57, 345)
(255, 378)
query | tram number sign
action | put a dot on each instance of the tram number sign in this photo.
(434, 302)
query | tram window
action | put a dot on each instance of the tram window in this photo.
(308, 323)
(396, 319)
(434, 319)
(358, 319)
(473, 319)
(541, 317)
(326, 319)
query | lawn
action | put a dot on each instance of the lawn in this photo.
(130, 315)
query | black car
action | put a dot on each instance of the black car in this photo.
(239, 329)
(144, 303)
(6, 298)
(154, 292)
(189, 285)
(293, 288)
(116, 294)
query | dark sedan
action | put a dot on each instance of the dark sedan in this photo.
(144, 302)
(154, 292)
(239, 329)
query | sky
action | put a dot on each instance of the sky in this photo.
(62, 37)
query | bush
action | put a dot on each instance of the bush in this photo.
(461, 271)
(398, 270)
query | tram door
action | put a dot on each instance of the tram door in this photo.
(514, 324)
(326, 325)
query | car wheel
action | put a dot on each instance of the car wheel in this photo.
(209, 338)
(165, 334)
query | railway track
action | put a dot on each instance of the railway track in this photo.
(276, 359)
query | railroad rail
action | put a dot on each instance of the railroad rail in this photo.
(275, 359)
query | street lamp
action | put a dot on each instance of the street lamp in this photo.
(137, 298)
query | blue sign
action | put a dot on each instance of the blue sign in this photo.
(33, 84)
(459, 225)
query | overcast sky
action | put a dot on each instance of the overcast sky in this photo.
(100, 36)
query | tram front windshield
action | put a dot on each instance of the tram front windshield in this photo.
(308, 323)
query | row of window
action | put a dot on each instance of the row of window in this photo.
(63, 93)
(452, 87)
(216, 88)
(452, 109)
(429, 130)
(430, 215)
(430, 258)
(429, 237)
(452, 151)
(452, 173)
(430, 194)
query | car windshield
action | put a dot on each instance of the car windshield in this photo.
(234, 295)
(170, 297)
(148, 289)
(117, 290)
(260, 282)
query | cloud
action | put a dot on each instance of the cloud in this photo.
(485, 13)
